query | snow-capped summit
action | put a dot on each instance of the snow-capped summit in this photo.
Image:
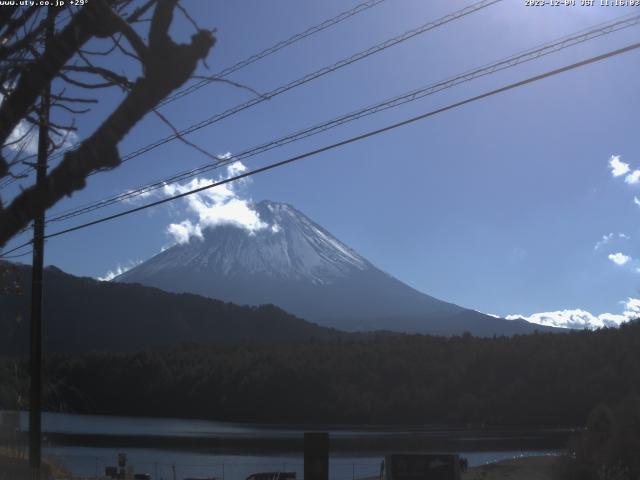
(288, 246)
(292, 262)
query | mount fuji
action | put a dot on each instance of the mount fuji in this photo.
(296, 264)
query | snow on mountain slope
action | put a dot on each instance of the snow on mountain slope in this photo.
(293, 247)
(298, 265)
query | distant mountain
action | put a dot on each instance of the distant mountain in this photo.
(298, 265)
(83, 314)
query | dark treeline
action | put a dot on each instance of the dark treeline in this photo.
(83, 315)
(532, 380)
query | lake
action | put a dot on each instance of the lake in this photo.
(85, 444)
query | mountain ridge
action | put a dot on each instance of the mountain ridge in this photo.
(83, 314)
(298, 265)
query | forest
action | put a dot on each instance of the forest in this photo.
(539, 379)
(84, 314)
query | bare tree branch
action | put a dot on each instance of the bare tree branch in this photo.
(167, 66)
(89, 21)
(62, 98)
(189, 18)
(101, 71)
(29, 37)
(105, 53)
(180, 137)
(10, 26)
(214, 78)
(117, 42)
(75, 111)
(135, 16)
(81, 84)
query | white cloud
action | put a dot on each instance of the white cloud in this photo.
(572, 319)
(183, 232)
(619, 258)
(28, 144)
(618, 167)
(608, 237)
(633, 305)
(218, 194)
(25, 141)
(605, 239)
(220, 205)
(236, 168)
(633, 178)
(581, 319)
(119, 270)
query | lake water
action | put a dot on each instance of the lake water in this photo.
(229, 465)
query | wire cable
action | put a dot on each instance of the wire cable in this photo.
(314, 75)
(309, 77)
(239, 65)
(512, 61)
(273, 49)
(348, 141)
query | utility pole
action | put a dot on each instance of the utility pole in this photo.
(35, 361)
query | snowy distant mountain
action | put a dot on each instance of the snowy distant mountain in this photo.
(297, 265)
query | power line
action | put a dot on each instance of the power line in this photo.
(18, 255)
(273, 49)
(239, 65)
(512, 61)
(22, 245)
(315, 75)
(301, 81)
(350, 140)
(310, 77)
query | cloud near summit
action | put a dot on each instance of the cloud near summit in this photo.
(220, 205)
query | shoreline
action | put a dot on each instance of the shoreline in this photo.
(252, 444)
(542, 467)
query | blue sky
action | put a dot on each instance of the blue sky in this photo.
(496, 206)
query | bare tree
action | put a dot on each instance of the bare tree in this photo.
(26, 68)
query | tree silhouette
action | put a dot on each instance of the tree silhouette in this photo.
(28, 67)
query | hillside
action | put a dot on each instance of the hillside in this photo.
(83, 314)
